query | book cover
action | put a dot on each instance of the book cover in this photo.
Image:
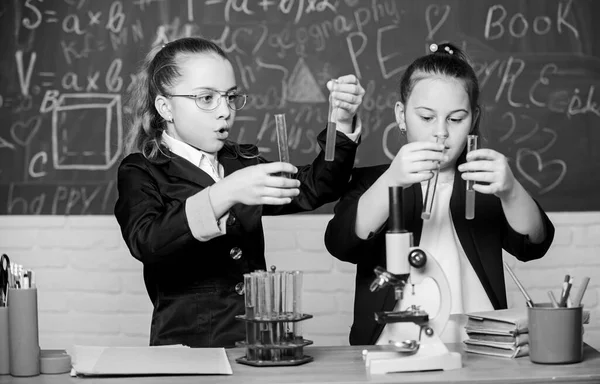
(512, 321)
(517, 340)
(510, 352)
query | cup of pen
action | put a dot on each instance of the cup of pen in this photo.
(24, 346)
(555, 334)
(4, 342)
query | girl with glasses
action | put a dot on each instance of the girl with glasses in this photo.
(191, 200)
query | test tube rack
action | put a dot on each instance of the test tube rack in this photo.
(273, 319)
(275, 343)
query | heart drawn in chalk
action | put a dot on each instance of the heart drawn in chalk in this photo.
(22, 132)
(542, 171)
(440, 12)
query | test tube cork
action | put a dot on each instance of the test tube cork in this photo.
(331, 130)
(282, 141)
(470, 193)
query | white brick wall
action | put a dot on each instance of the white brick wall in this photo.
(91, 290)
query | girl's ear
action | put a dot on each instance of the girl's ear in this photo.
(163, 106)
(399, 112)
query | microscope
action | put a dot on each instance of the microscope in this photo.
(420, 347)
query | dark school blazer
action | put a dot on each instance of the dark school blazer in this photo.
(151, 212)
(482, 239)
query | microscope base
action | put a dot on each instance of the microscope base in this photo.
(380, 362)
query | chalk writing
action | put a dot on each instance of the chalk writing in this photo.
(519, 26)
(70, 64)
(36, 20)
(433, 12)
(538, 175)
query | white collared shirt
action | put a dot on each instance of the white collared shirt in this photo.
(209, 164)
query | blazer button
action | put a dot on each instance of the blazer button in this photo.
(231, 219)
(239, 288)
(235, 253)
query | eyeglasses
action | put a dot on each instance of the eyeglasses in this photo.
(210, 99)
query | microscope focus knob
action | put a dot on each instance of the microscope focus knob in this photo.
(417, 258)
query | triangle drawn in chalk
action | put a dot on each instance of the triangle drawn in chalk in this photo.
(302, 86)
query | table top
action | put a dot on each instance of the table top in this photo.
(345, 365)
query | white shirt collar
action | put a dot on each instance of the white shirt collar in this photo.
(191, 154)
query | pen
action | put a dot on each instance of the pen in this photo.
(528, 300)
(564, 285)
(563, 299)
(581, 292)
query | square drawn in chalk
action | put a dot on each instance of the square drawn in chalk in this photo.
(87, 131)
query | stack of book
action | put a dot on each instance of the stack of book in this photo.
(500, 333)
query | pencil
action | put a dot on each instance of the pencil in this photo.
(528, 300)
(553, 299)
(580, 292)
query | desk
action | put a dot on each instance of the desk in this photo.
(345, 365)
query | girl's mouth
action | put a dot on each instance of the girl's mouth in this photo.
(223, 133)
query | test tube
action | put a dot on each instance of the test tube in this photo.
(432, 185)
(282, 141)
(289, 304)
(278, 326)
(331, 130)
(298, 338)
(250, 299)
(297, 305)
(470, 199)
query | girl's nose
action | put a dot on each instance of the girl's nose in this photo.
(223, 109)
(441, 130)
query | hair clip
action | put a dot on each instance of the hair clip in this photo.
(433, 47)
(447, 49)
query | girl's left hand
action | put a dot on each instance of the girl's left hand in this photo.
(346, 95)
(490, 167)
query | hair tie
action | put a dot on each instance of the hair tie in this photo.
(447, 49)
(433, 48)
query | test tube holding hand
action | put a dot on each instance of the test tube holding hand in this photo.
(282, 141)
(331, 129)
(470, 195)
(432, 184)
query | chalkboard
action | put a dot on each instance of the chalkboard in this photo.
(67, 65)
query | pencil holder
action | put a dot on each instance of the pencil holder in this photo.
(4, 348)
(23, 328)
(555, 334)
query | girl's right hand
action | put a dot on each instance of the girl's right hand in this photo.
(259, 184)
(414, 163)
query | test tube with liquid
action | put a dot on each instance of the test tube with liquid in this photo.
(470, 198)
(298, 311)
(277, 326)
(250, 299)
(289, 305)
(432, 185)
(282, 141)
(331, 130)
